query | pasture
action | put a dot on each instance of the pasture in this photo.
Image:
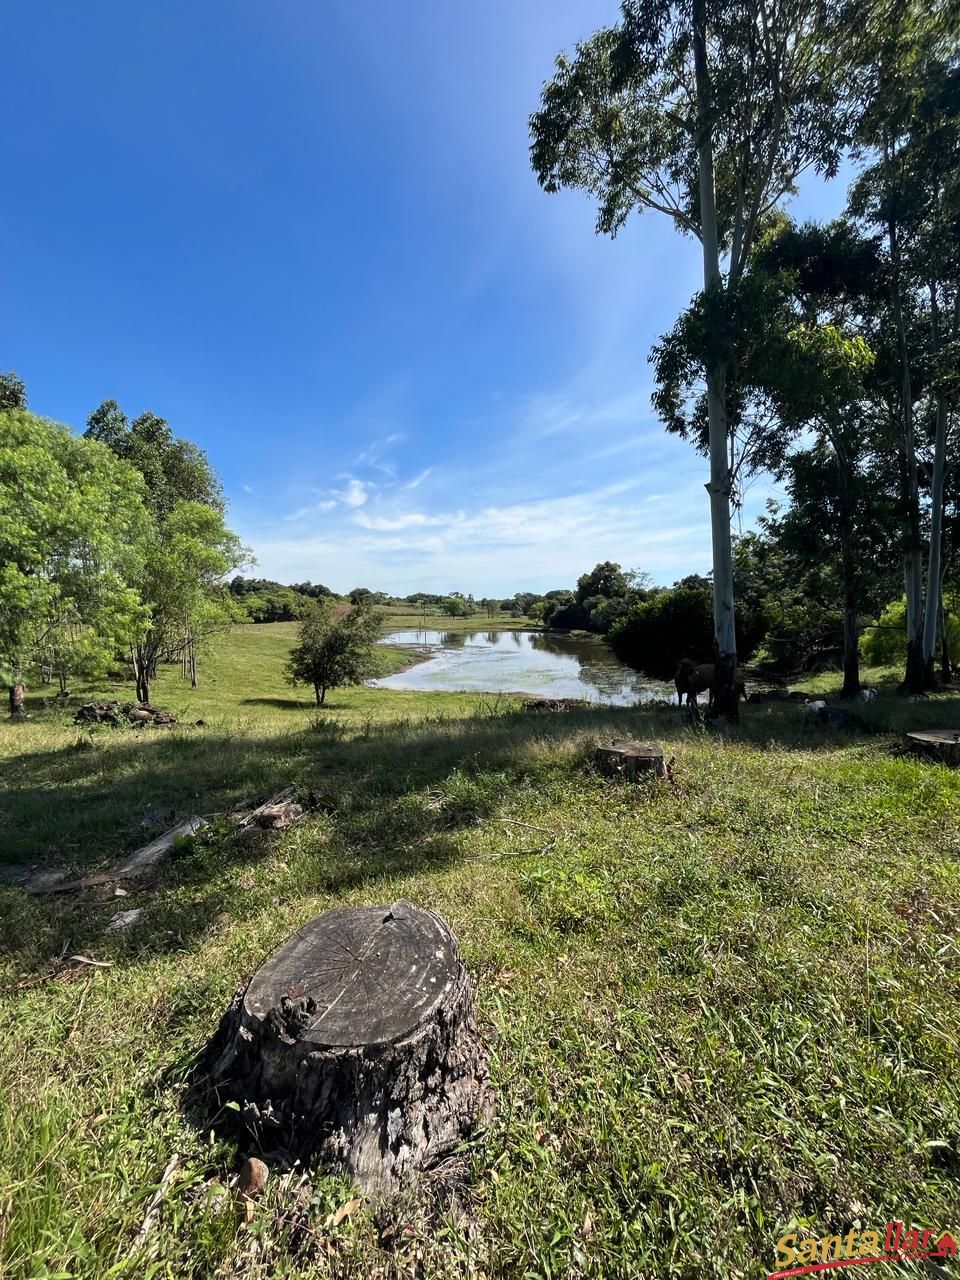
(715, 1007)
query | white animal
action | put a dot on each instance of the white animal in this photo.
(814, 706)
(868, 695)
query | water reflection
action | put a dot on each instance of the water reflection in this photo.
(534, 662)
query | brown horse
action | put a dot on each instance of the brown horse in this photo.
(693, 678)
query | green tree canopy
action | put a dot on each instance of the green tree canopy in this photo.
(13, 392)
(74, 537)
(187, 560)
(191, 549)
(174, 470)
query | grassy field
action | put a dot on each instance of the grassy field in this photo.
(715, 1007)
(396, 619)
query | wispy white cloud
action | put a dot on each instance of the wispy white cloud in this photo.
(496, 548)
(373, 455)
(418, 480)
(354, 494)
(410, 520)
(246, 488)
(545, 415)
(314, 508)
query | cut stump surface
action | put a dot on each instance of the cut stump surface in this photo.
(630, 760)
(357, 1040)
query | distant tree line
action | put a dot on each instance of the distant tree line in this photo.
(268, 601)
(791, 617)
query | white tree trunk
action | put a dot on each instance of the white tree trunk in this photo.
(725, 692)
(931, 605)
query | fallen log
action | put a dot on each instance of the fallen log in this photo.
(356, 1043)
(277, 816)
(279, 811)
(98, 713)
(142, 859)
(133, 712)
(135, 864)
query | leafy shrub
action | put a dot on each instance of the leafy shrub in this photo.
(886, 645)
(656, 633)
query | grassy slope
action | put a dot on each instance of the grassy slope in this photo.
(714, 1007)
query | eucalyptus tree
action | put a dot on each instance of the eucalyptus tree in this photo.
(819, 373)
(13, 391)
(706, 111)
(934, 156)
(908, 193)
(175, 470)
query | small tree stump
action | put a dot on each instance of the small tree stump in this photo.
(630, 760)
(937, 744)
(356, 1041)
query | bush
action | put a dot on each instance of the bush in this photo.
(336, 647)
(656, 633)
(886, 645)
(457, 607)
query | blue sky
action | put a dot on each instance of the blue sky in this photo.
(308, 235)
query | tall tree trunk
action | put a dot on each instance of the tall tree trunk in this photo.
(946, 667)
(193, 662)
(17, 696)
(321, 693)
(141, 673)
(725, 694)
(851, 630)
(912, 556)
(140, 676)
(932, 602)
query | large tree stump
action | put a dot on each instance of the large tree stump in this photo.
(630, 760)
(938, 744)
(356, 1043)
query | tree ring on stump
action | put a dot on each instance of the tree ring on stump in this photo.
(355, 1043)
(358, 976)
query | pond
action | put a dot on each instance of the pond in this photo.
(547, 664)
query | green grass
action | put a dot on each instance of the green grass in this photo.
(714, 1008)
(397, 619)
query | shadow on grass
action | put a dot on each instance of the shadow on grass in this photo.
(400, 791)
